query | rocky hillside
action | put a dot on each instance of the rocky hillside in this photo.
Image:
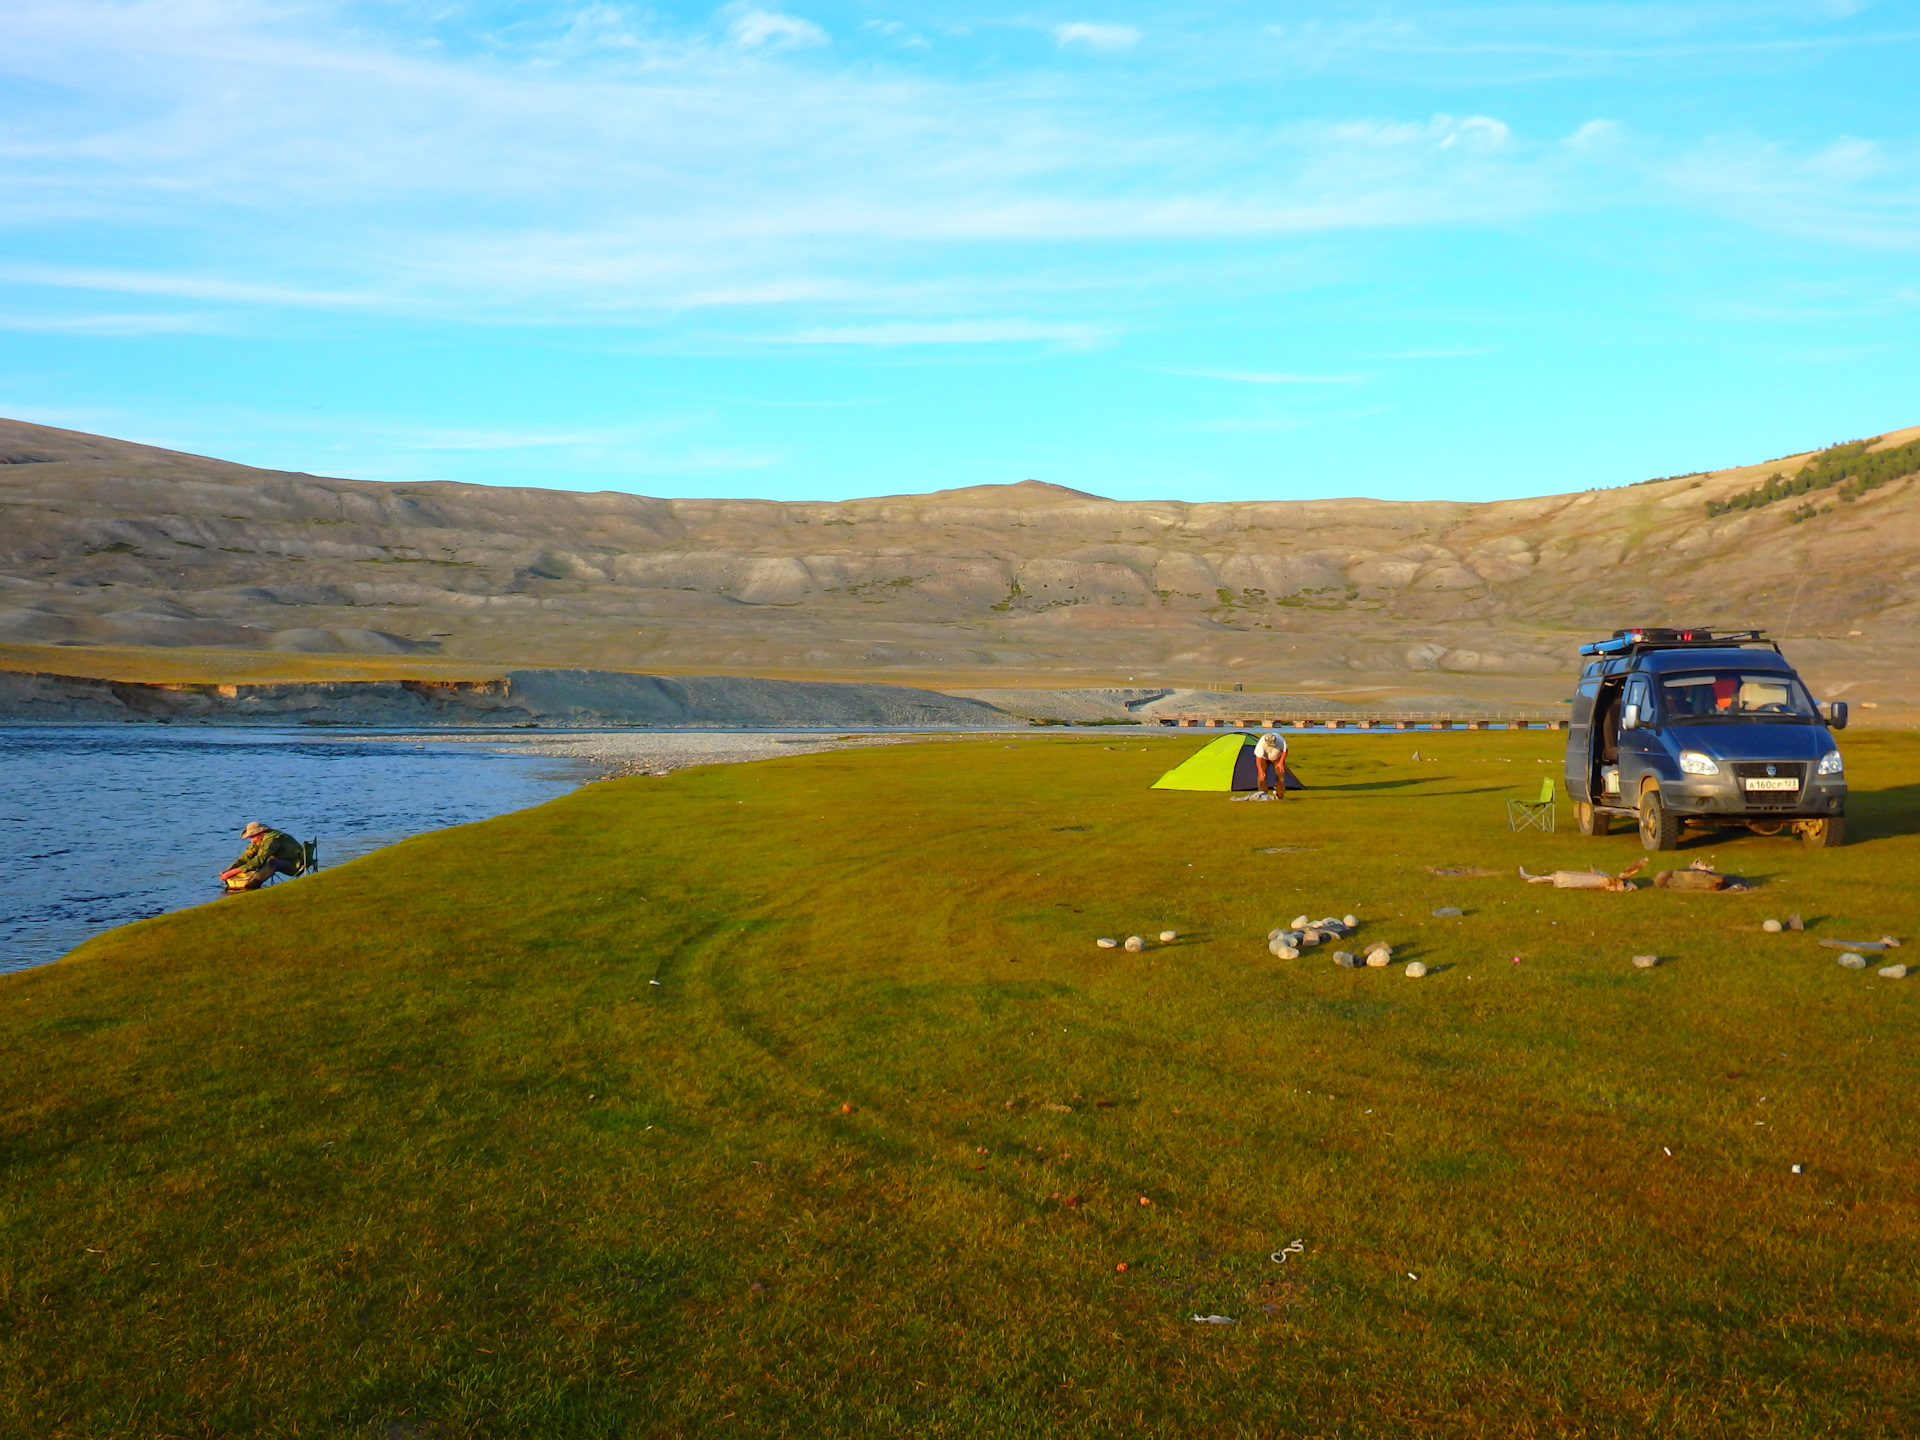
(106, 542)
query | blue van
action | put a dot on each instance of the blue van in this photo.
(1689, 727)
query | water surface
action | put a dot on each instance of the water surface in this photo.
(101, 825)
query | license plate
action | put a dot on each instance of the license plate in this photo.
(1786, 782)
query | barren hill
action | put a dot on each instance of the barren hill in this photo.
(106, 542)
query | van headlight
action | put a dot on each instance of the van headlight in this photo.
(1830, 764)
(1692, 762)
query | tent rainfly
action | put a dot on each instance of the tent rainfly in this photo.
(1223, 764)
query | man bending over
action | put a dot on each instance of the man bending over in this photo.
(268, 853)
(1270, 764)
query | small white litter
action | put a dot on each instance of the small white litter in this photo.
(1213, 1320)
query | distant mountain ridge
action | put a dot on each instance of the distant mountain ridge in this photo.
(105, 541)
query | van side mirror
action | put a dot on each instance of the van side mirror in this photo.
(1837, 714)
(1630, 717)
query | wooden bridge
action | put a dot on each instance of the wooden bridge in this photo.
(1406, 720)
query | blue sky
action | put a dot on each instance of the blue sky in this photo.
(815, 250)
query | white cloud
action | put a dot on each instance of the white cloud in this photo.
(946, 332)
(183, 287)
(1096, 37)
(1594, 135)
(1263, 377)
(772, 30)
(111, 325)
(896, 32)
(1478, 130)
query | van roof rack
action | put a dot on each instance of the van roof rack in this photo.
(1656, 637)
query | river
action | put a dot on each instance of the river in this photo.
(102, 825)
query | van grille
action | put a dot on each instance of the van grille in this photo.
(1770, 799)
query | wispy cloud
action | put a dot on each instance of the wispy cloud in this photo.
(176, 286)
(755, 29)
(131, 324)
(1089, 36)
(949, 332)
(603, 167)
(1268, 377)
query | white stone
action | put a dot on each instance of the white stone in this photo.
(1415, 970)
(1645, 962)
(1344, 960)
(1892, 972)
(1167, 937)
(1772, 927)
(1299, 923)
(1447, 912)
(1349, 921)
(1106, 944)
(1377, 959)
(1853, 961)
(1135, 944)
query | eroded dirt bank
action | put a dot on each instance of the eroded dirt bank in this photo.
(522, 697)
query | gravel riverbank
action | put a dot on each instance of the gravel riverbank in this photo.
(663, 752)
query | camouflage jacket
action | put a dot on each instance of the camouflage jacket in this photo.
(272, 845)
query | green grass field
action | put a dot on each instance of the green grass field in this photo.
(418, 1147)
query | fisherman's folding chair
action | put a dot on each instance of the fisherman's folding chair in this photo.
(309, 862)
(1533, 814)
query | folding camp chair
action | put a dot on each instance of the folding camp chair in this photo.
(309, 862)
(1533, 814)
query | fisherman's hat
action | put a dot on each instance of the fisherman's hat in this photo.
(252, 828)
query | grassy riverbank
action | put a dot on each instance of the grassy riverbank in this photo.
(419, 1147)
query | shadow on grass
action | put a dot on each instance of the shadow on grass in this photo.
(1883, 814)
(1373, 785)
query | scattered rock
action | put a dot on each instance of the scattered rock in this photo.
(1415, 970)
(1135, 944)
(1890, 942)
(1772, 927)
(1380, 947)
(1645, 962)
(1794, 922)
(1286, 952)
(1299, 923)
(1308, 938)
(1854, 962)
(1344, 960)
(1167, 937)
(1350, 921)
(1892, 972)
(1378, 959)
(1448, 912)
(1106, 944)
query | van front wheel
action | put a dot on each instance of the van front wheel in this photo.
(1824, 834)
(1659, 826)
(1589, 821)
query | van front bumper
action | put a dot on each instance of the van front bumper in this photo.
(1718, 795)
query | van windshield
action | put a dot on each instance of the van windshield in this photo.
(1735, 695)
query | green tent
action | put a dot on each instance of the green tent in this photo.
(1223, 764)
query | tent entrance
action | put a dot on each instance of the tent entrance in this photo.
(1221, 765)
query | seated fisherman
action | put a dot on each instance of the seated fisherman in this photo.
(268, 853)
